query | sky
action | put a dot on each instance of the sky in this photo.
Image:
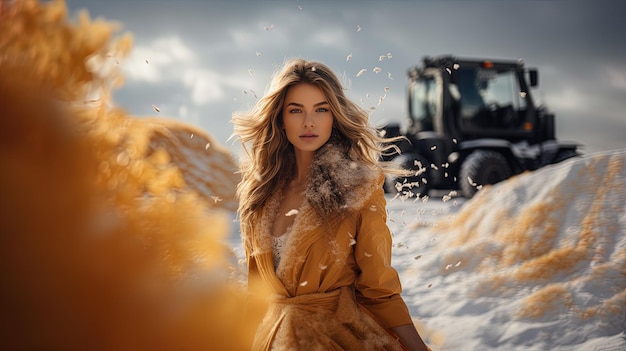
(202, 61)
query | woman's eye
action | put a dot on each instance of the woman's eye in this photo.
(295, 110)
(322, 109)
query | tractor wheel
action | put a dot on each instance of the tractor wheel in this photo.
(563, 155)
(482, 167)
(414, 185)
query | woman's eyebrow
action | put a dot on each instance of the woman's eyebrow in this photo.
(301, 105)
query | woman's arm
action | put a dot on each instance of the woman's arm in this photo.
(410, 337)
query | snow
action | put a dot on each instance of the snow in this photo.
(537, 262)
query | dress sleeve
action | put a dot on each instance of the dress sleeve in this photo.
(378, 285)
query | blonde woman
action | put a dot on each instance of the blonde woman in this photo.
(313, 219)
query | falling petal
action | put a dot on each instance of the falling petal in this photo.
(377, 70)
(313, 68)
(373, 208)
(156, 108)
(258, 54)
(352, 242)
(191, 136)
(457, 264)
(418, 257)
(292, 213)
(358, 28)
(349, 57)
(300, 7)
(304, 283)
(361, 72)
(147, 62)
(270, 27)
(381, 57)
(367, 254)
(386, 89)
(323, 266)
(216, 199)
(250, 72)
(389, 55)
(207, 146)
(389, 75)
(433, 147)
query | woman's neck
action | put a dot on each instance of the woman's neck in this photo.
(303, 163)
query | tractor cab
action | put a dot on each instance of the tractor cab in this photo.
(472, 122)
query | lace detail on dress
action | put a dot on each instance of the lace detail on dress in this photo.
(279, 247)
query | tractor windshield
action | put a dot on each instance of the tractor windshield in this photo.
(490, 99)
(423, 102)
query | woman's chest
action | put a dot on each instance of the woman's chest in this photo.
(288, 209)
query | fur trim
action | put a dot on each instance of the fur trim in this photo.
(338, 184)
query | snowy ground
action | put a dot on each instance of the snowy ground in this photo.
(534, 263)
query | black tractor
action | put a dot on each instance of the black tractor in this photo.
(472, 122)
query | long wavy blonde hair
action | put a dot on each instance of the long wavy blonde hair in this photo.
(269, 156)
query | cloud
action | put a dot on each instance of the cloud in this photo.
(170, 59)
(204, 84)
(334, 37)
(155, 62)
(616, 77)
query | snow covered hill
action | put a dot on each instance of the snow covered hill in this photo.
(534, 263)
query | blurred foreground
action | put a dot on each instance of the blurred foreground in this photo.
(111, 236)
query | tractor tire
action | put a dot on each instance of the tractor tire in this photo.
(416, 185)
(482, 167)
(563, 155)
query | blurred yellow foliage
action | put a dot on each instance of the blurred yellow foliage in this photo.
(102, 247)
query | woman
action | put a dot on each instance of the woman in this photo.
(313, 219)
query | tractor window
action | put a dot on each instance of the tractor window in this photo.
(490, 99)
(423, 102)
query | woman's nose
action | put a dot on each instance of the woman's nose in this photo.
(308, 121)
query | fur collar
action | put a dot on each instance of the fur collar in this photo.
(338, 184)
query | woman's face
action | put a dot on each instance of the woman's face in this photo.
(307, 119)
